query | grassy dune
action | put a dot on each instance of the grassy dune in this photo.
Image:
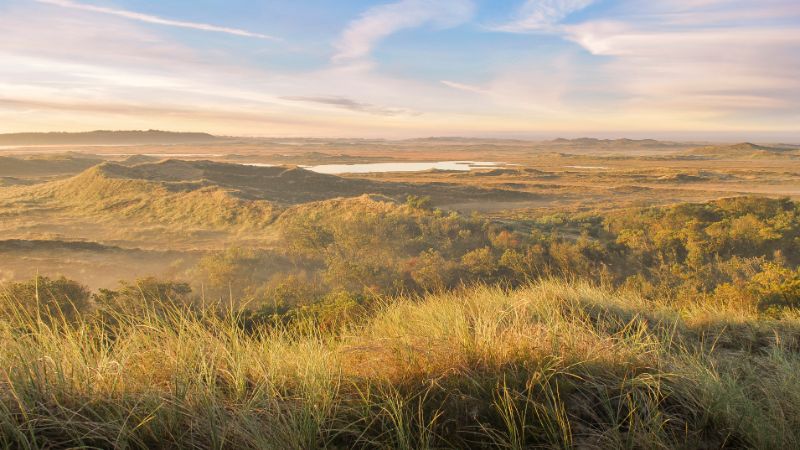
(172, 198)
(554, 364)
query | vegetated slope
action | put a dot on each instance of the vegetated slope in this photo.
(286, 184)
(743, 150)
(105, 137)
(45, 165)
(376, 244)
(117, 193)
(138, 159)
(692, 252)
(280, 184)
(200, 195)
(552, 365)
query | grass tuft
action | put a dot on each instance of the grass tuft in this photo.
(550, 365)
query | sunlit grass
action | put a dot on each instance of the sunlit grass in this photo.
(554, 365)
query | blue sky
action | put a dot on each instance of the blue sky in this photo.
(692, 69)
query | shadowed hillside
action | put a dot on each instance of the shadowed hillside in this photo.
(45, 165)
(153, 201)
(279, 184)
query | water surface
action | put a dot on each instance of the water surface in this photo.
(336, 169)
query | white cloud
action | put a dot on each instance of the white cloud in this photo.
(466, 87)
(542, 15)
(537, 88)
(72, 70)
(721, 62)
(155, 19)
(379, 22)
(674, 65)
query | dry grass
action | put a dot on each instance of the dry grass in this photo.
(554, 364)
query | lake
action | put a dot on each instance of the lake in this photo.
(336, 169)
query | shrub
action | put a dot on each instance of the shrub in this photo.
(45, 298)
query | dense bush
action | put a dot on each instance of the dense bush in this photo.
(374, 246)
(744, 250)
(43, 297)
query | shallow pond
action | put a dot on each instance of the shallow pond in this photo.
(335, 169)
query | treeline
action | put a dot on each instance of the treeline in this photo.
(339, 254)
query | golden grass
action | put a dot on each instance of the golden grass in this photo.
(554, 364)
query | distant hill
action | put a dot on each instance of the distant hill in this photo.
(614, 143)
(743, 150)
(457, 140)
(103, 137)
(45, 165)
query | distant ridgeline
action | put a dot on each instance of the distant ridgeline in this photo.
(103, 137)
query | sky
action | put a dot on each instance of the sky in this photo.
(668, 69)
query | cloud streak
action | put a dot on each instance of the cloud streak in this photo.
(542, 15)
(157, 20)
(710, 63)
(466, 87)
(352, 105)
(377, 23)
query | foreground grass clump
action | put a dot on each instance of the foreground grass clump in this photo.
(553, 364)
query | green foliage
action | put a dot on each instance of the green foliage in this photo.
(141, 295)
(690, 250)
(417, 202)
(238, 273)
(45, 298)
(332, 312)
(375, 246)
(776, 286)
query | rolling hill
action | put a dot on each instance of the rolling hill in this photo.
(185, 199)
(284, 185)
(745, 150)
(169, 194)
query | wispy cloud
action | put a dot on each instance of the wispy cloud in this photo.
(466, 87)
(156, 20)
(352, 105)
(379, 22)
(630, 66)
(703, 57)
(542, 15)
